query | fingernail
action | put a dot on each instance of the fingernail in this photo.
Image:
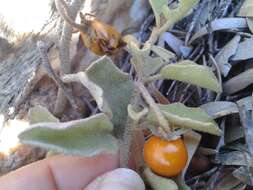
(119, 179)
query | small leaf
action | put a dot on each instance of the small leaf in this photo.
(163, 53)
(180, 115)
(191, 140)
(157, 7)
(183, 8)
(174, 42)
(158, 182)
(244, 51)
(110, 87)
(238, 82)
(151, 65)
(84, 137)
(190, 72)
(220, 24)
(219, 108)
(246, 9)
(222, 58)
(40, 114)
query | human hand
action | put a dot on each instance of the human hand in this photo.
(73, 173)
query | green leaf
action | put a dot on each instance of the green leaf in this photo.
(84, 137)
(238, 82)
(190, 72)
(110, 87)
(172, 15)
(38, 114)
(158, 182)
(134, 49)
(183, 8)
(219, 109)
(163, 53)
(180, 115)
(191, 140)
(151, 65)
(157, 7)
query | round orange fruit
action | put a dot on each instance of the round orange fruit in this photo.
(165, 157)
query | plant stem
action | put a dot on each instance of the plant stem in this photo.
(160, 117)
(64, 51)
(45, 61)
(153, 78)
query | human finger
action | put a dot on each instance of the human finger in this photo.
(59, 173)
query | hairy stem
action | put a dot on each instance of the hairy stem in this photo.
(160, 117)
(45, 61)
(64, 54)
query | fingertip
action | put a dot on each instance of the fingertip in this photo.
(120, 179)
(71, 172)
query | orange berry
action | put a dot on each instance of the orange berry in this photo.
(165, 157)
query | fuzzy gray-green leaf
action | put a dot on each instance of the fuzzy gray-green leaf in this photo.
(39, 114)
(157, 7)
(110, 87)
(151, 65)
(180, 115)
(190, 72)
(84, 137)
(165, 54)
(159, 182)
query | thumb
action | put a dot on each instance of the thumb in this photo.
(119, 179)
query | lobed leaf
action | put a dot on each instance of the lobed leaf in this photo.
(110, 87)
(84, 137)
(180, 115)
(190, 72)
